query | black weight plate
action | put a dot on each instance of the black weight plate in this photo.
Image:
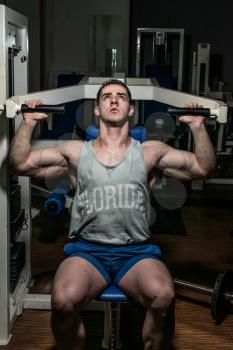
(219, 305)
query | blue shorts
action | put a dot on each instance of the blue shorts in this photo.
(112, 261)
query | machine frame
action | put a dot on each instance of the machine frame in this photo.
(141, 89)
(13, 80)
(180, 32)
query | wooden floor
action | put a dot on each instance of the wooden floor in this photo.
(194, 330)
(199, 256)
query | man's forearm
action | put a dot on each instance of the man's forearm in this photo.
(20, 146)
(204, 150)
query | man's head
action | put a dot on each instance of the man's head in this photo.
(113, 82)
(114, 103)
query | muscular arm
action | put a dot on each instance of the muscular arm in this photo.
(40, 163)
(182, 164)
(189, 165)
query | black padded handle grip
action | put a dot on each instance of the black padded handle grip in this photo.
(43, 109)
(205, 112)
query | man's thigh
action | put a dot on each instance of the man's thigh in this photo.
(145, 279)
(78, 279)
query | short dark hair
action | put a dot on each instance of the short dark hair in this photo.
(112, 82)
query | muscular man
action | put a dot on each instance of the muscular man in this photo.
(110, 215)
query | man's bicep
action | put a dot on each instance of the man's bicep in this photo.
(173, 158)
(41, 159)
(47, 157)
(180, 164)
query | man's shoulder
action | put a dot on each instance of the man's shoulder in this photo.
(152, 144)
(71, 148)
(70, 144)
(154, 150)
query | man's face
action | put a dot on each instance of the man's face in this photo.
(114, 106)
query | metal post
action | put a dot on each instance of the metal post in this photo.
(12, 26)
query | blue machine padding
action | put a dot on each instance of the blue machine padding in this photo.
(112, 294)
(92, 132)
(138, 132)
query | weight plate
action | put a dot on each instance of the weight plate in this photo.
(220, 306)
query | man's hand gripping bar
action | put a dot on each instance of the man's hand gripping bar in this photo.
(12, 109)
(205, 112)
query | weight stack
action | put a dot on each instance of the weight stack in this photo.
(16, 225)
(15, 199)
(17, 214)
(17, 262)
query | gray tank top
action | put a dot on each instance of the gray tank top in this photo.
(112, 203)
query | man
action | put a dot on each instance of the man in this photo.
(110, 215)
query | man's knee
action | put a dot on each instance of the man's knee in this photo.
(162, 297)
(66, 300)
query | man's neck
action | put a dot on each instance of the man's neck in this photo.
(114, 137)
